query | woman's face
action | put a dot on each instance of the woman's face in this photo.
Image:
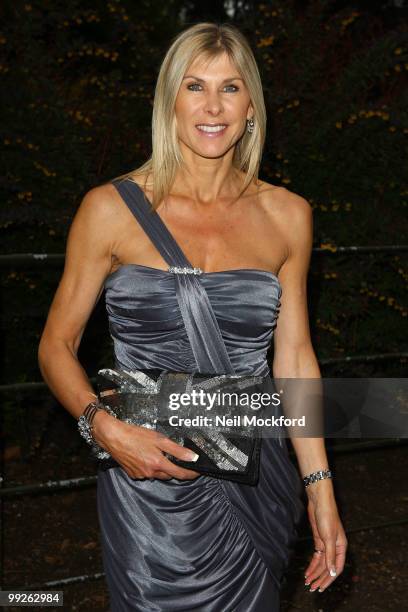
(212, 107)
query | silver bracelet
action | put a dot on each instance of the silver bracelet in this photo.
(315, 476)
(85, 427)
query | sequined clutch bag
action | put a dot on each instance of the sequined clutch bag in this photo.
(228, 444)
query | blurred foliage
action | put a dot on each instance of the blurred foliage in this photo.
(78, 83)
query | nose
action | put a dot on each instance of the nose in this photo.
(213, 103)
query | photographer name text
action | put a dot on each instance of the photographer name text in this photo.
(235, 421)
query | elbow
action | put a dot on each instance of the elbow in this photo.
(296, 362)
(49, 347)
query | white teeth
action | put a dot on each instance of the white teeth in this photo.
(212, 128)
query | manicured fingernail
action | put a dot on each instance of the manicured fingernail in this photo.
(333, 572)
(307, 582)
(192, 457)
(312, 590)
(321, 590)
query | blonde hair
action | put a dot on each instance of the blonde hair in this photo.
(207, 40)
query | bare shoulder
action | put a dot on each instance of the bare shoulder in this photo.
(279, 201)
(97, 223)
(291, 215)
(99, 204)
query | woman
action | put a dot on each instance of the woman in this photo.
(172, 539)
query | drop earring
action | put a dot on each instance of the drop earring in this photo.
(250, 125)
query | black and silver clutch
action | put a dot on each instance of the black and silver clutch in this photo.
(227, 443)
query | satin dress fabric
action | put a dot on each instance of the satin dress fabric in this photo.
(206, 544)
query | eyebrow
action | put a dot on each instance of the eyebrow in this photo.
(191, 76)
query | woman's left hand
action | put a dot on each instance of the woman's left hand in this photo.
(329, 538)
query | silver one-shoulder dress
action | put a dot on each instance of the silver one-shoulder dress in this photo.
(206, 544)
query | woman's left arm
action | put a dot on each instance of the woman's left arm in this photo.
(294, 357)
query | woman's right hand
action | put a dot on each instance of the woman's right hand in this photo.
(139, 450)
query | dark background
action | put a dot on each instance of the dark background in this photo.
(76, 100)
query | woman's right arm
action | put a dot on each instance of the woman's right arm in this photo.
(90, 245)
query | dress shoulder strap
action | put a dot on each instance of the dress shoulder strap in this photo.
(150, 221)
(200, 321)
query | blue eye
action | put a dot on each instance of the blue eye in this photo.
(194, 85)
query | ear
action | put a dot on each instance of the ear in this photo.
(250, 112)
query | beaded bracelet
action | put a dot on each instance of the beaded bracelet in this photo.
(85, 426)
(315, 476)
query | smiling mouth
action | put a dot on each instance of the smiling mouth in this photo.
(211, 129)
